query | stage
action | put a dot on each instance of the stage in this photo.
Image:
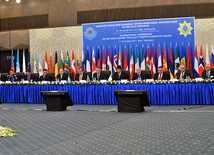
(99, 129)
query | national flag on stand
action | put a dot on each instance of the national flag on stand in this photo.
(51, 63)
(83, 63)
(131, 67)
(12, 62)
(78, 61)
(67, 67)
(125, 60)
(142, 59)
(34, 63)
(115, 61)
(29, 63)
(23, 64)
(177, 61)
(207, 61)
(212, 58)
(170, 64)
(201, 62)
(183, 60)
(88, 67)
(159, 57)
(196, 73)
(62, 61)
(17, 62)
(40, 64)
(136, 58)
(98, 60)
(56, 66)
(148, 62)
(153, 68)
(73, 65)
(93, 63)
(120, 57)
(46, 60)
(104, 61)
(165, 68)
(189, 61)
(109, 62)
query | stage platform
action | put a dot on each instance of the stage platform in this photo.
(100, 129)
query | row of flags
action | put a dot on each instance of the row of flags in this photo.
(147, 63)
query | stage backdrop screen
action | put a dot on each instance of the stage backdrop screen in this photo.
(140, 36)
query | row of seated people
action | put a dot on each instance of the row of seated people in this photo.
(103, 75)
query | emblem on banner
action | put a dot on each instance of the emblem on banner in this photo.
(90, 33)
(185, 28)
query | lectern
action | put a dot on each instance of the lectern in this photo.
(131, 100)
(57, 100)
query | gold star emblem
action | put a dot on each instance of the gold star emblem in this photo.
(185, 28)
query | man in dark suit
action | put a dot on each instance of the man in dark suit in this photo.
(161, 75)
(182, 74)
(80, 75)
(11, 77)
(120, 74)
(99, 75)
(61, 75)
(138, 74)
(45, 76)
(208, 73)
(29, 77)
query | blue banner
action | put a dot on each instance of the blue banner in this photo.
(141, 33)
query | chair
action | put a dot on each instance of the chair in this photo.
(52, 76)
(188, 71)
(108, 73)
(4, 76)
(88, 74)
(19, 75)
(147, 73)
(35, 74)
(128, 73)
(168, 74)
(71, 75)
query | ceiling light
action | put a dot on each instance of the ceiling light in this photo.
(18, 1)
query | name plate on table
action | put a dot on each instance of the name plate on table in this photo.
(102, 81)
(83, 81)
(44, 82)
(149, 80)
(199, 79)
(174, 80)
(63, 81)
(25, 81)
(124, 80)
(8, 81)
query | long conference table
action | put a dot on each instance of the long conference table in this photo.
(159, 94)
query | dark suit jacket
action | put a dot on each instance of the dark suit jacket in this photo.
(15, 78)
(47, 78)
(164, 76)
(31, 78)
(185, 74)
(103, 76)
(64, 77)
(204, 74)
(122, 76)
(83, 78)
(135, 76)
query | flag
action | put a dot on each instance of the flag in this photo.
(207, 61)
(196, 73)
(78, 61)
(46, 60)
(201, 62)
(125, 61)
(56, 66)
(34, 64)
(67, 67)
(93, 63)
(153, 68)
(23, 64)
(170, 64)
(183, 60)
(189, 61)
(131, 67)
(212, 58)
(142, 59)
(136, 58)
(115, 61)
(109, 63)
(17, 62)
(159, 57)
(164, 59)
(88, 67)
(177, 61)
(73, 65)
(120, 58)
(104, 61)
(62, 61)
(148, 62)
(29, 63)
(40, 64)
(51, 63)
(12, 62)
(98, 60)
(83, 63)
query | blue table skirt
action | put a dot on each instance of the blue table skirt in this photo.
(159, 94)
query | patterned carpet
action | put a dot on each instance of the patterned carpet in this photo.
(99, 129)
